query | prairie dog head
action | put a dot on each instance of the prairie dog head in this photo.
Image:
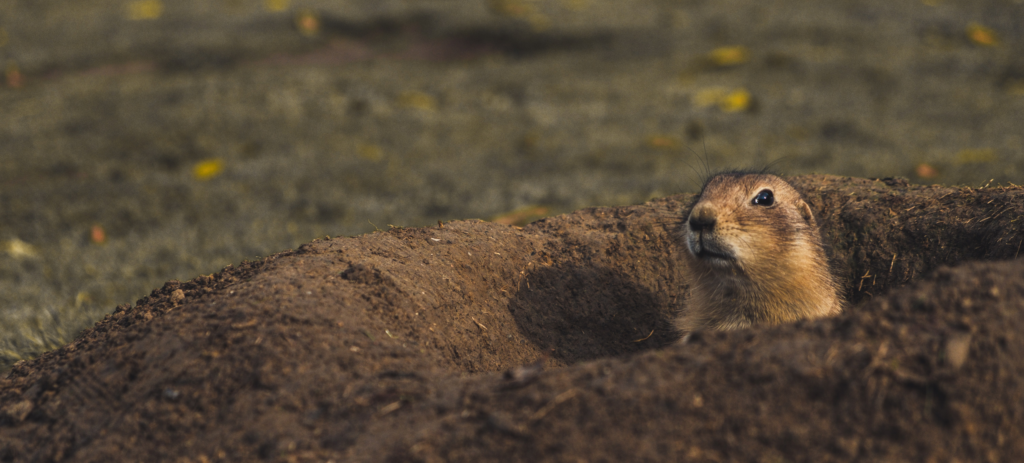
(743, 222)
(754, 256)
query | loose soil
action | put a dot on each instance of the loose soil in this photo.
(475, 341)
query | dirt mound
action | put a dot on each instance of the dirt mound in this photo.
(479, 341)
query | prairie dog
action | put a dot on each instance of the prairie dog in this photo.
(755, 257)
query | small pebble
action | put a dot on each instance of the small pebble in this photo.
(957, 348)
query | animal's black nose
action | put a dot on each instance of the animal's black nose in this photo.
(702, 219)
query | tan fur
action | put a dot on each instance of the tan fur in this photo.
(767, 264)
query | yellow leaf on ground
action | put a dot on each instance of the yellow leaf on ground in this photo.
(19, 249)
(730, 101)
(736, 101)
(208, 169)
(145, 9)
(729, 56)
(981, 35)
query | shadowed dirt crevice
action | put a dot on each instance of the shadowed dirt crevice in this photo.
(583, 313)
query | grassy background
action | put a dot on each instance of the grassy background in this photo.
(142, 141)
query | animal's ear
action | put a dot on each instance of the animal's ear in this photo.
(805, 211)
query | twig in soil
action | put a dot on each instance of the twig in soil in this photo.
(523, 277)
(390, 407)
(892, 263)
(247, 324)
(482, 327)
(644, 338)
(554, 403)
(867, 275)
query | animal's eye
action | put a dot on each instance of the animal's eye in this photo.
(764, 198)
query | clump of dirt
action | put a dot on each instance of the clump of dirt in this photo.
(475, 340)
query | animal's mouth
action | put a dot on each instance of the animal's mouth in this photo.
(707, 254)
(707, 250)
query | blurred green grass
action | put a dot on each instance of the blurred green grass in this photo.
(214, 132)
